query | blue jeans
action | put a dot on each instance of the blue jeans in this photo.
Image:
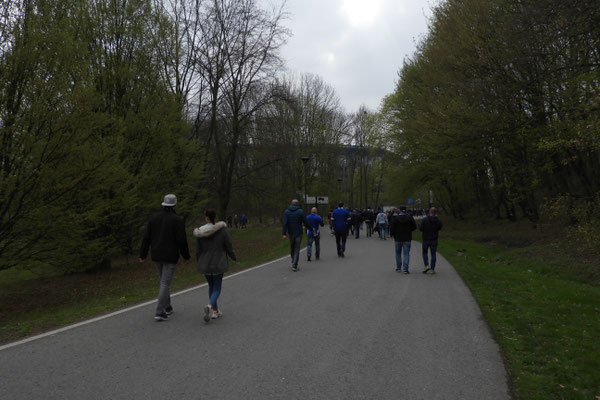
(340, 241)
(429, 244)
(295, 242)
(165, 274)
(310, 240)
(215, 282)
(357, 230)
(402, 247)
(382, 230)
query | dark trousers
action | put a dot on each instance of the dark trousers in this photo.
(357, 230)
(295, 242)
(369, 228)
(340, 241)
(432, 246)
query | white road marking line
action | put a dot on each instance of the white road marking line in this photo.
(90, 321)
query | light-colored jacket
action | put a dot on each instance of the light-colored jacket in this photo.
(382, 219)
(213, 247)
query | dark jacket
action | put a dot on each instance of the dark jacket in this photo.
(402, 226)
(212, 248)
(355, 217)
(293, 218)
(369, 216)
(430, 226)
(165, 236)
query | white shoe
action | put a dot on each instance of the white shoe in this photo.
(216, 314)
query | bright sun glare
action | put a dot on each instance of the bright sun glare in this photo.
(361, 12)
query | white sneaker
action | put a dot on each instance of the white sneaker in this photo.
(207, 312)
(216, 314)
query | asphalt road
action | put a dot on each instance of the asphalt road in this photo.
(340, 328)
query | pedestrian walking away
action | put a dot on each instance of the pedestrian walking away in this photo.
(293, 218)
(369, 217)
(165, 238)
(430, 227)
(313, 235)
(381, 224)
(213, 246)
(356, 221)
(340, 218)
(401, 230)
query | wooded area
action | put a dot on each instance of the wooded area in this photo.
(107, 105)
(498, 111)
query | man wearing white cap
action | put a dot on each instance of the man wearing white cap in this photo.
(165, 235)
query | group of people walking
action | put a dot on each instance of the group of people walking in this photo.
(165, 236)
(398, 224)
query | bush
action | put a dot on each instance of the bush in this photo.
(578, 217)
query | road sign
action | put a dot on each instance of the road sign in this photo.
(322, 200)
(319, 199)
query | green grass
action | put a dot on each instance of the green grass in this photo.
(32, 305)
(542, 306)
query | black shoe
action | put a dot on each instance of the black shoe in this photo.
(342, 254)
(317, 257)
(161, 317)
(426, 269)
(294, 269)
(169, 310)
(406, 272)
(308, 258)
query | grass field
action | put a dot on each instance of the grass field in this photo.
(542, 301)
(31, 305)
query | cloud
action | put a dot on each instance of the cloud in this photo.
(357, 46)
(360, 13)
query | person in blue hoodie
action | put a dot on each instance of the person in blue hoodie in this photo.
(313, 235)
(293, 218)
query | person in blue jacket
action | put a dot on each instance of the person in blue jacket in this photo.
(293, 218)
(313, 235)
(340, 218)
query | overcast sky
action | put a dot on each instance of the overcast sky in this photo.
(356, 46)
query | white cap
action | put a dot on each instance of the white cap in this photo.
(170, 200)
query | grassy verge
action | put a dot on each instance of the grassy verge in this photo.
(542, 303)
(32, 305)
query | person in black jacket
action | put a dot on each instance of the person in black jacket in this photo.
(165, 235)
(430, 226)
(401, 230)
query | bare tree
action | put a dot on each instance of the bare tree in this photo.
(238, 57)
(177, 34)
